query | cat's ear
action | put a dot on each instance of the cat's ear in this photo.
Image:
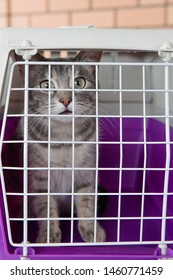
(36, 57)
(89, 56)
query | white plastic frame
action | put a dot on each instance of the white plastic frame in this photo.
(150, 45)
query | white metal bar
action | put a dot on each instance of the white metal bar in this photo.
(73, 159)
(168, 155)
(113, 243)
(145, 153)
(92, 116)
(25, 163)
(89, 168)
(161, 64)
(49, 154)
(121, 155)
(100, 194)
(114, 90)
(92, 218)
(90, 142)
(97, 154)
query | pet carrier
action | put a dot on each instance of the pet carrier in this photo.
(133, 144)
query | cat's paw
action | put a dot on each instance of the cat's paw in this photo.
(87, 232)
(55, 237)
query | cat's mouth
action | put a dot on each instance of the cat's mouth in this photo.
(66, 112)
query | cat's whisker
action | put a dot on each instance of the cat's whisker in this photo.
(108, 129)
(83, 113)
(35, 121)
(111, 125)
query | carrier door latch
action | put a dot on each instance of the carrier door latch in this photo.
(26, 50)
(166, 51)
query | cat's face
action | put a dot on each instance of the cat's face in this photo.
(69, 89)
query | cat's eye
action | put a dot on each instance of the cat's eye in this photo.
(79, 83)
(45, 84)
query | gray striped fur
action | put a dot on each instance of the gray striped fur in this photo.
(61, 153)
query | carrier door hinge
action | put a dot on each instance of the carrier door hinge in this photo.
(166, 51)
(19, 253)
(163, 252)
(26, 50)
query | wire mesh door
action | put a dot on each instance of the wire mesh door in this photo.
(126, 156)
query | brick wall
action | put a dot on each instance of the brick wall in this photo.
(102, 13)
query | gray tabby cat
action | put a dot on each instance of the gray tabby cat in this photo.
(61, 107)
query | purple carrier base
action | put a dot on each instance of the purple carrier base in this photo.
(133, 156)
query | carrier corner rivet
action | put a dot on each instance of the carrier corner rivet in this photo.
(166, 51)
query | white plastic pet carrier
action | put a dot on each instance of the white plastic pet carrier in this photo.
(134, 143)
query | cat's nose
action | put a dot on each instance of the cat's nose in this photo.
(66, 101)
